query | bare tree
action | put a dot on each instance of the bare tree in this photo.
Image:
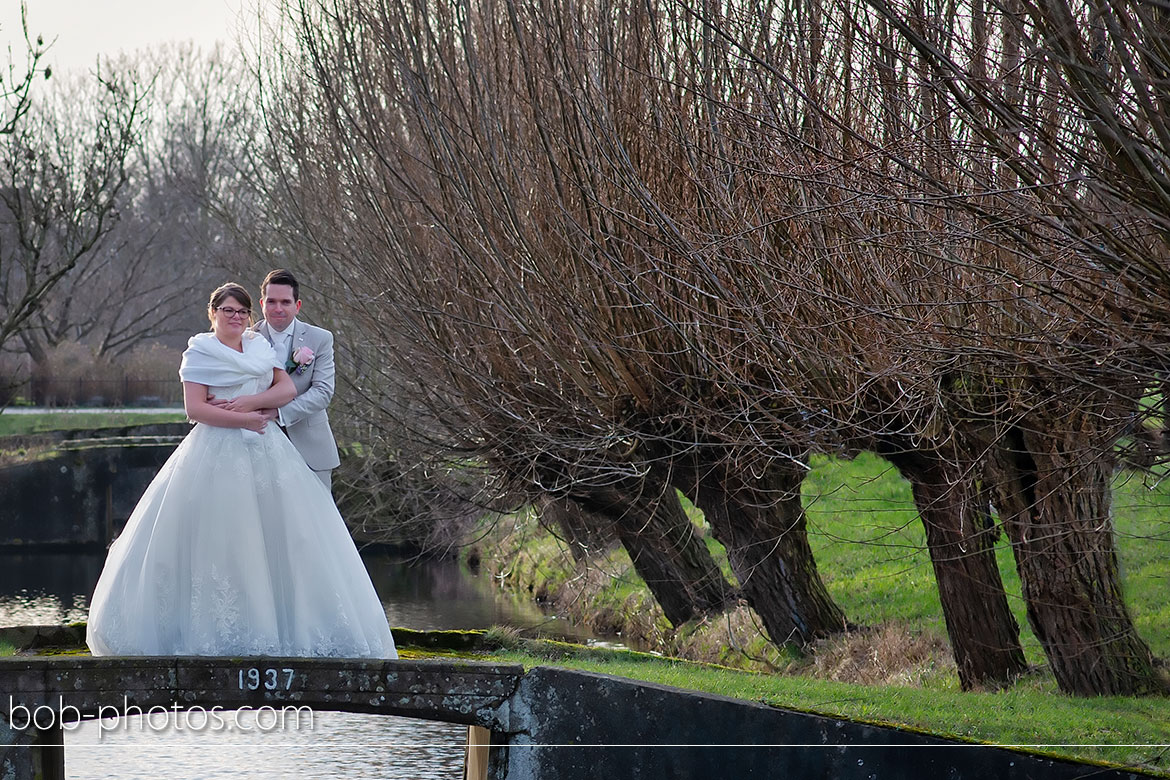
(525, 432)
(22, 72)
(1059, 105)
(140, 282)
(62, 172)
(821, 292)
(610, 249)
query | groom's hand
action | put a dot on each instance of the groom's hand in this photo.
(211, 399)
(241, 403)
(269, 414)
(255, 421)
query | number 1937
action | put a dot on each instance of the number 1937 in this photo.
(252, 679)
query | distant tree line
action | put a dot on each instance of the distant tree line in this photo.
(108, 240)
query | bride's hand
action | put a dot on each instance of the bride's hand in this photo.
(255, 421)
(243, 403)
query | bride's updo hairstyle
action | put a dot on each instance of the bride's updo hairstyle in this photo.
(222, 293)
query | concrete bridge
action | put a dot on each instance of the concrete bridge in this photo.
(546, 723)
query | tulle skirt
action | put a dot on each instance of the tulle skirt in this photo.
(236, 548)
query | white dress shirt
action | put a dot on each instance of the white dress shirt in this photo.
(280, 343)
(281, 338)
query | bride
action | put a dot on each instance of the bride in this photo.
(236, 548)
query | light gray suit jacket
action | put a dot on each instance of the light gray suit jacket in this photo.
(304, 417)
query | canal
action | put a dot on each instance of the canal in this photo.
(52, 588)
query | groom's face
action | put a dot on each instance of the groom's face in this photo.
(279, 306)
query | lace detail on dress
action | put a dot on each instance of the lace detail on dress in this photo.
(164, 591)
(222, 627)
(225, 608)
(326, 640)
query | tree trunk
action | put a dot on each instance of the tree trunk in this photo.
(664, 547)
(1053, 496)
(761, 523)
(584, 533)
(985, 637)
(35, 350)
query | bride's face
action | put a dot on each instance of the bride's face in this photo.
(231, 319)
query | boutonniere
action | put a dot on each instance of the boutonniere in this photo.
(302, 358)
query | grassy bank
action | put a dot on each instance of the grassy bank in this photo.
(1129, 732)
(63, 420)
(870, 550)
(29, 437)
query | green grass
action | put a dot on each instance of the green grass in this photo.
(12, 424)
(868, 542)
(1142, 519)
(1125, 731)
(870, 550)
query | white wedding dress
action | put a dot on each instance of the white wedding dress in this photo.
(236, 548)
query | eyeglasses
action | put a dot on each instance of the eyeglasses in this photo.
(231, 313)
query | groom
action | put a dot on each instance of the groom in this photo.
(308, 358)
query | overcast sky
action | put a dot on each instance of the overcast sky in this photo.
(86, 28)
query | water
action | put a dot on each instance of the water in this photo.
(334, 745)
(53, 588)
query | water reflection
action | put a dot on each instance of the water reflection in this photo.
(426, 595)
(331, 745)
(437, 595)
(47, 588)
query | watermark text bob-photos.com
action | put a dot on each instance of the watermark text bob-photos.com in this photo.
(159, 718)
